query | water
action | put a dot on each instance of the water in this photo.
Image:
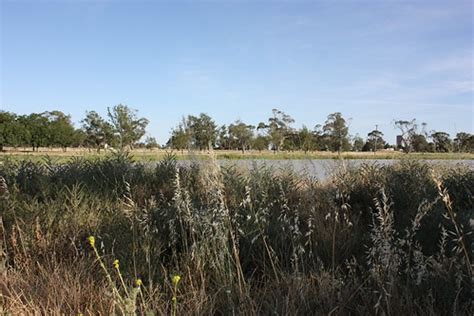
(321, 168)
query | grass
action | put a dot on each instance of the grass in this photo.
(142, 155)
(203, 239)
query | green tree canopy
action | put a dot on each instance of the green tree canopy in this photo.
(307, 139)
(441, 141)
(241, 134)
(126, 125)
(203, 131)
(12, 130)
(97, 131)
(375, 141)
(337, 132)
(464, 142)
(60, 129)
(278, 128)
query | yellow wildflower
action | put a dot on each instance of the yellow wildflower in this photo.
(91, 240)
(116, 264)
(138, 282)
(176, 279)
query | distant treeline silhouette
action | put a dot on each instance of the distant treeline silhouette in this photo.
(124, 129)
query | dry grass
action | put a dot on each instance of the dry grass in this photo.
(373, 240)
(158, 154)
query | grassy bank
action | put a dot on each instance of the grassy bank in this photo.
(156, 155)
(206, 240)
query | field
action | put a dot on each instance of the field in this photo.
(112, 236)
(60, 155)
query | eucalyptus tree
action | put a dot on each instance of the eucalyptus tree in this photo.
(12, 131)
(203, 131)
(337, 132)
(126, 125)
(278, 128)
(223, 139)
(97, 131)
(60, 129)
(307, 139)
(37, 124)
(150, 143)
(358, 143)
(260, 142)
(180, 137)
(408, 130)
(375, 141)
(441, 141)
(464, 142)
(241, 134)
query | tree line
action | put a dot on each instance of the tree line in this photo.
(123, 128)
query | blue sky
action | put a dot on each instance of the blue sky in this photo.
(374, 61)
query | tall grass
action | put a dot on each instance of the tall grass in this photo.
(372, 240)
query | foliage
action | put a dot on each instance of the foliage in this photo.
(336, 132)
(464, 142)
(278, 128)
(408, 131)
(98, 132)
(442, 142)
(123, 128)
(241, 135)
(358, 143)
(202, 131)
(375, 141)
(150, 143)
(126, 125)
(204, 239)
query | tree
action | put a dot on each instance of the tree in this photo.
(98, 131)
(203, 131)
(464, 142)
(441, 141)
(37, 124)
(408, 131)
(223, 140)
(337, 132)
(374, 142)
(307, 141)
(60, 129)
(260, 143)
(358, 143)
(150, 143)
(79, 138)
(420, 144)
(126, 125)
(180, 137)
(12, 131)
(278, 128)
(241, 134)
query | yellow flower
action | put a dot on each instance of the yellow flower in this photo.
(116, 264)
(176, 279)
(91, 240)
(138, 282)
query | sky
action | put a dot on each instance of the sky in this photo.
(374, 61)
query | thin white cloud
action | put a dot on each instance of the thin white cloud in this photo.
(460, 86)
(462, 63)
